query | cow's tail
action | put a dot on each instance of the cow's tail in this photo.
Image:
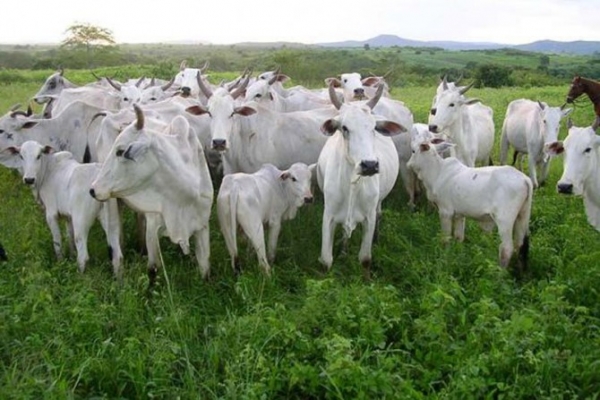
(522, 226)
(229, 223)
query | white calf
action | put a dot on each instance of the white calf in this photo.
(267, 196)
(61, 185)
(500, 195)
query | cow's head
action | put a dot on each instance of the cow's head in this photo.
(155, 93)
(222, 110)
(358, 127)
(426, 154)
(550, 124)
(296, 182)
(447, 109)
(351, 85)
(29, 158)
(187, 79)
(52, 87)
(260, 90)
(581, 158)
(128, 94)
(129, 164)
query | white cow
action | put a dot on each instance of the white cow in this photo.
(469, 125)
(154, 93)
(581, 175)
(66, 131)
(166, 177)
(263, 92)
(268, 196)
(492, 195)
(268, 136)
(52, 87)
(187, 81)
(354, 87)
(532, 128)
(61, 185)
(356, 170)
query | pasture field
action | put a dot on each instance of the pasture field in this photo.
(435, 321)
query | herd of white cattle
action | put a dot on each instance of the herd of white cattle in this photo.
(158, 146)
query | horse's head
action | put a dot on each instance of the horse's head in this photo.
(577, 89)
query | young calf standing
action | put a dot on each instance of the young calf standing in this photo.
(500, 195)
(61, 185)
(267, 196)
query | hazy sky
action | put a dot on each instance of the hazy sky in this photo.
(305, 21)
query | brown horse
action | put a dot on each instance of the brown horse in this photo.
(590, 87)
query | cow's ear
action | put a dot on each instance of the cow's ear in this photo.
(424, 147)
(135, 150)
(284, 175)
(389, 128)
(443, 146)
(555, 148)
(244, 111)
(48, 150)
(335, 81)
(10, 157)
(370, 81)
(282, 78)
(29, 124)
(197, 110)
(330, 126)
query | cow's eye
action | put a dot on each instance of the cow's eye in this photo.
(258, 95)
(345, 80)
(344, 129)
(1, 131)
(294, 179)
(587, 150)
(544, 121)
(153, 98)
(119, 153)
(125, 99)
(39, 156)
(451, 104)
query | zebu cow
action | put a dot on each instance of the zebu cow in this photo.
(356, 170)
(154, 93)
(492, 195)
(187, 80)
(268, 136)
(52, 87)
(61, 185)
(356, 88)
(262, 92)
(469, 125)
(164, 176)
(267, 197)
(581, 174)
(66, 131)
(532, 128)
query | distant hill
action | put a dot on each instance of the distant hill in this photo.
(545, 46)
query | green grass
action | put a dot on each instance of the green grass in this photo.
(435, 321)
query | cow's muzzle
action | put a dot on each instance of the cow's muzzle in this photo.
(565, 188)
(29, 181)
(369, 167)
(219, 144)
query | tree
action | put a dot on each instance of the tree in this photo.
(88, 37)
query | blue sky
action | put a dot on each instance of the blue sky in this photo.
(306, 21)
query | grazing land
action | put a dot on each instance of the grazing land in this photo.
(435, 321)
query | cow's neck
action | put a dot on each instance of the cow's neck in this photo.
(592, 183)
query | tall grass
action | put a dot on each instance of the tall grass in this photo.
(435, 321)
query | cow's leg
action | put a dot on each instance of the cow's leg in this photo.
(532, 161)
(544, 171)
(459, 227)
(52, 221)
(506, 244)
(111, 224)
(408, 179)
(140, 224)
(70, 236)
(364, 255)
(82, 222)
(327, 233)
(153, 221)
(504, 146)
(202, 250)
(274, 229)
(255, 231)
(446, 222)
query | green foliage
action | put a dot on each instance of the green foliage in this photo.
(493, 76)
(434, 322)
